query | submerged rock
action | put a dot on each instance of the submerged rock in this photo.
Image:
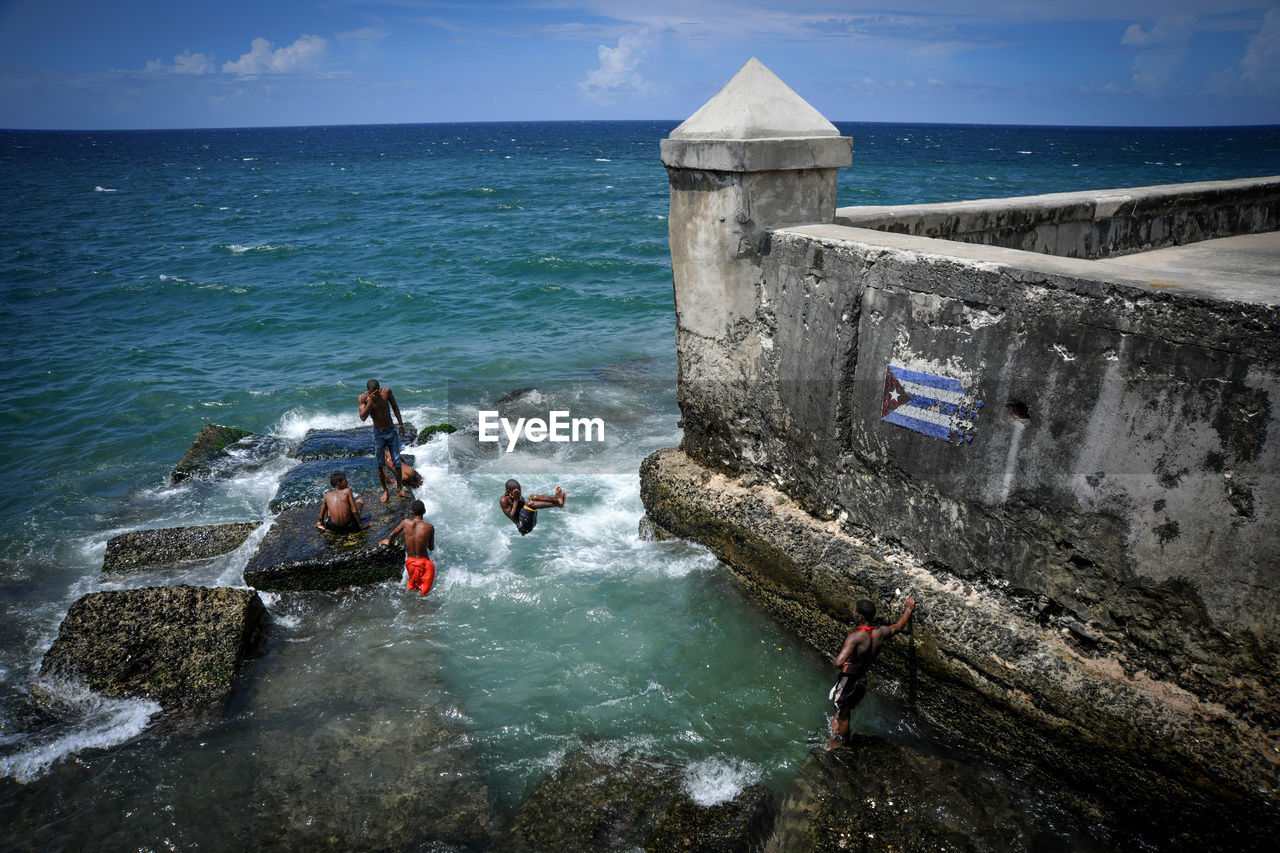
(295, 555)
(598, 800)
(221, 450)
(169, 546)
(180, 646)
(878, 794)
(345, 443)
(374, 767)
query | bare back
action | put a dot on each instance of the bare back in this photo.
(339, 506)
(419, 537)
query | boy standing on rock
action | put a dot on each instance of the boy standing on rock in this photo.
(860, 650)
(419, 540)
(340, 508)
(380, 403)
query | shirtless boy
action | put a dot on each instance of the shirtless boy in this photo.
(379, 403)
(860, 650)
(523, 512)
(419, 540)
(340, 508)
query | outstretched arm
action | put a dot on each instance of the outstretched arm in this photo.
(394, 534)
(890, 630)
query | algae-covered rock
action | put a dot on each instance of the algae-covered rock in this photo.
(600, 799)
(741, 825)
(221, 450)
(345, 443)
(169, 546)
(428, 432)
(295, 555)
(882, 795)
(305, 484)
(650, 531)
(178, 645)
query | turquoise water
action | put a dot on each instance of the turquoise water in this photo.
(154, 282)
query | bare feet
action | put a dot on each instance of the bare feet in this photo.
(401, 493)
(560, 496)
(385, 496)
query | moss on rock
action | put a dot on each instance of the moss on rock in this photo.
(180, 646)
(169, 546)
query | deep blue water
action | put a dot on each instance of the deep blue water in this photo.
(152, 282)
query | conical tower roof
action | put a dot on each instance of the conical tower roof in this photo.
(755, 104)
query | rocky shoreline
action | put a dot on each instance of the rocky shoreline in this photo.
(989, 671)
(187, 649)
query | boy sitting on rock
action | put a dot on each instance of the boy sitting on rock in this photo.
(340, 508)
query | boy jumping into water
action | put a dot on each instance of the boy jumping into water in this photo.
(860, 650)
(340, 508)
(419, 540)
(524, 512)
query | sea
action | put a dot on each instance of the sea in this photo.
(153, 282)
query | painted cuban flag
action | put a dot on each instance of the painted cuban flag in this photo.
(928, 403)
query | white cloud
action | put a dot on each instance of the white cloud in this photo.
(185, 63)
(1258, 71)
(363, 34)
(1161, 51)
(1261, 63)
(303, 54)
(617, 73)
(193, 63)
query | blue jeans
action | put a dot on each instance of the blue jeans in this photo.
(384, 438)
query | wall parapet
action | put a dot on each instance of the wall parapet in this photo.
(1090, 224)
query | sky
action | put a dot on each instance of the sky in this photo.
(120, 64)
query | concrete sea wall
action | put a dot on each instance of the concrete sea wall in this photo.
(1072, 466)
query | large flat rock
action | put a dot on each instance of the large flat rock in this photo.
(294, 555)
(178, 645)
(166, 547)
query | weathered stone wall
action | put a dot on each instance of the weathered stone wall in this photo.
(1089, 224)
(1114, 461)
(1098, 458)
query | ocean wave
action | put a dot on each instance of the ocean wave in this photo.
(239, 249)
(97, 722)
(717, 780)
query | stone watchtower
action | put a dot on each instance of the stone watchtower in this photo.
(754, 158)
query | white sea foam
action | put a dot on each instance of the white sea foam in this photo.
(239, 249)
(717, 780)
(295, 423)
(100, 722)
(105, 190)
